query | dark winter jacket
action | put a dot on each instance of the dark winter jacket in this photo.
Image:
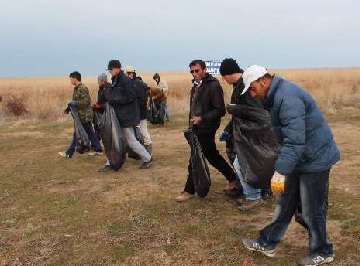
(238, 97)
(208, 103)
(307, 144)
(103, 94)
(122, 97)
(141, 96)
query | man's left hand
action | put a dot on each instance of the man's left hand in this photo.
(196, 120)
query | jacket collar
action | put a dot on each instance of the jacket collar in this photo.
(208, 77)
(274, 86)
(239, 85)
(120, 74)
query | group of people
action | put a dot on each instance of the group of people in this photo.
(128, 95)
(306, 154)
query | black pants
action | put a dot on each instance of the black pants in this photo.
(207, 142)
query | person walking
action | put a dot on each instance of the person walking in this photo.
(302, 169)
(161, 84)
(141, 90)
(122, 97)
(82, 102)
(232, 74)
(206, 109)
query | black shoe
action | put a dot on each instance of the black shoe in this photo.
(266, 194)
(107, 168)
(147, 165)
(235, 193)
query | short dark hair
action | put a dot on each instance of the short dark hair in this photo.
(199, 62)
(75, 75)
(268, 75)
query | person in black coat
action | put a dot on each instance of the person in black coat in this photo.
(141, 91)
(232, 74)
(206, 109)
(122, 97)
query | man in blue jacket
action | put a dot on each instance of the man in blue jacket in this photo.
(308, 151)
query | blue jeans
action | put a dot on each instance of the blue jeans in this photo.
(309, 191)
(92, 137)
(250, 192)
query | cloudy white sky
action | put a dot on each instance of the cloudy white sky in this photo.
(55, 37)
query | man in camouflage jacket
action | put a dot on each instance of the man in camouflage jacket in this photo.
(82, 102)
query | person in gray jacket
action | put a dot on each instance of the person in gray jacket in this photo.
(308, 151)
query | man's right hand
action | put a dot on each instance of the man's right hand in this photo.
(67, 111)
(224, 136)
(278, 183)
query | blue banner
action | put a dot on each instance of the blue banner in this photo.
(213, 67)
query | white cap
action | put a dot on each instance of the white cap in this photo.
(251, 74)
(129, 69)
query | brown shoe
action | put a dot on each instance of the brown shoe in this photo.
(248, 205)
(184, 196)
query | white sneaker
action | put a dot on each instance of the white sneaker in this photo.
(63, 154)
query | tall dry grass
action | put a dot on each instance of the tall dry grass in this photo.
(45, 98)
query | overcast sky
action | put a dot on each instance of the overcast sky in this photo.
(55, 37)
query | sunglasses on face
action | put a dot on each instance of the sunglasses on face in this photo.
(194, 71)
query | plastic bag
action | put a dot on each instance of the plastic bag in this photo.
(255, 143)
(82, 138)
(157, 112)
(112, 136)
(199, 169)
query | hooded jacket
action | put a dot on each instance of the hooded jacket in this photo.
(208, 103)
(307, 143)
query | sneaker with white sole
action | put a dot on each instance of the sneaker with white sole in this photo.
(63, 154)
(254, 245)
(316, 259)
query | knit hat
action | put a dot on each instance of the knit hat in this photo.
(103, 77)
(229, 66)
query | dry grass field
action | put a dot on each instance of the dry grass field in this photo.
(55, 211)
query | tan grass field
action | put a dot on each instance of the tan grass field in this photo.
(63, 212)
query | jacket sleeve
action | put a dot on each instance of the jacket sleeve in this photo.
(122, 95)
(292, 120)
(83, 99)
(217, 101)
(163, 86)
(229, 127)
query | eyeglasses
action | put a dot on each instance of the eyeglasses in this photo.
(194, 71)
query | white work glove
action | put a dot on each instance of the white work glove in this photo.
(278, 183)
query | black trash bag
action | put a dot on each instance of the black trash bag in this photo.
(200, 170)
(255, 143)
(82, 138)
(157, 112)
(112, 136)
(140, 138)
